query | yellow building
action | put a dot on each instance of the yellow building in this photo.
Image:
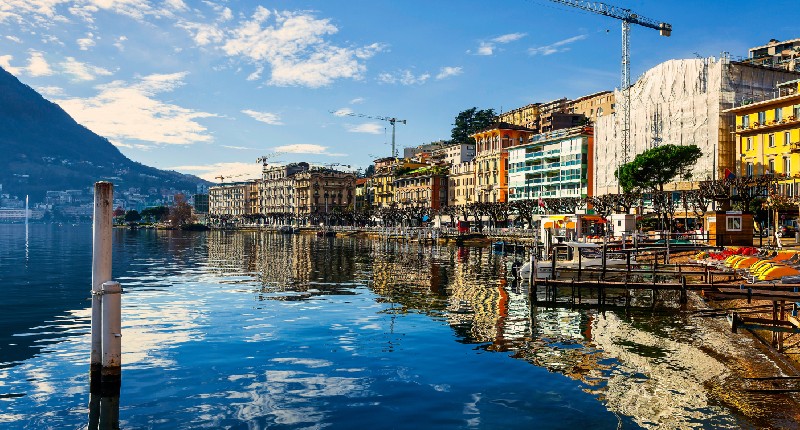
(383, 181)
(768, 136)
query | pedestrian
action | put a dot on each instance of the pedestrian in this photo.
(778, 243)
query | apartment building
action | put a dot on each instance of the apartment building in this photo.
(233, 200)
(461, 184)
(491, 159)
(322, 191)
(277, 192)
(552, 165)
(424, 187)
(768, 137)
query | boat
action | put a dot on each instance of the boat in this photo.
(570, 255)
(503, 246)
(286, 229)
(326, 233)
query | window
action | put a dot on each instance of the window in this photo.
(749, 143)
(734, 223)
(787, 165)
(771, 167)
(599, 111)
(749, 169)
(778, 114)
(771, 140)
(796, 112)
(785, 138)
(762, 116)
(746, 121)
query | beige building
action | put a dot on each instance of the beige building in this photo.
(322, 191)
(594, 105)
(233, 201)
(461, 184)
(277, 191)
(382, 182)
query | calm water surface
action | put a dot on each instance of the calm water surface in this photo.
(258, 330)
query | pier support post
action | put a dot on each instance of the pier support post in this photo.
(101, 271)
(112, 339)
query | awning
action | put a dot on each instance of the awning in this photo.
(591, 217)
(570, 224)
(548, 224)
(559, 218)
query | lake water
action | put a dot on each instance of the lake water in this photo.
(260, 330)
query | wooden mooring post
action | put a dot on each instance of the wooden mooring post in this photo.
(105, 358)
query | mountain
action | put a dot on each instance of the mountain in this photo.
(43, 149)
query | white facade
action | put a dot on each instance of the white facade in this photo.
(680, 102)
(551, 165)
(455, 154)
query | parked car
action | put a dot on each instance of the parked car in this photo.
(787, 230)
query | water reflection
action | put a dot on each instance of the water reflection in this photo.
(656, 381)
(253, 329)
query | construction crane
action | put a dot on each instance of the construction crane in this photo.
(222, 178)
(391, 121)
(627, 17)
(263, 159)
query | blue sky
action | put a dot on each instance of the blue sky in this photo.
(206, 87)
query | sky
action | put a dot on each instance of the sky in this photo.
(207, 87)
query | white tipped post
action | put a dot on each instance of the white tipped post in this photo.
(112, 337)
(101, 270)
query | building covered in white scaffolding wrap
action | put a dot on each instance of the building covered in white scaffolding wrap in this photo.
(681, 102)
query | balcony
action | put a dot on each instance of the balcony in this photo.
(794, 147)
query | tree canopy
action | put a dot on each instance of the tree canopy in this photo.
(655, 167)
(470, 121)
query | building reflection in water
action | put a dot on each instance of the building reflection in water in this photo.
(632, 369)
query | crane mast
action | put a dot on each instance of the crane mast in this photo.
(627, 17)
(390, 120)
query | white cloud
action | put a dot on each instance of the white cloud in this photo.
(343, 112)
(232, 171)
(369, 127)
(446, 72)
(265, 117)
(14, 39)
(37, 65)
(357, 100)
(123, 111)
(559, 46)
(240, 148)
(487, 48)
(119, 42)
(87, 42)
(5, 62)
(256, 75)
(306, 148)
(50, 91)
(507, 38)
(83, 71)
(293, 44)
(202, 33)
(405, 77)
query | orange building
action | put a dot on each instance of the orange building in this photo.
(491, 159)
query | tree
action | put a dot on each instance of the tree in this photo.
(181, 212)
(132, 216)
(469, 122)
(653, 168)
(158, 213)
(369, 171)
